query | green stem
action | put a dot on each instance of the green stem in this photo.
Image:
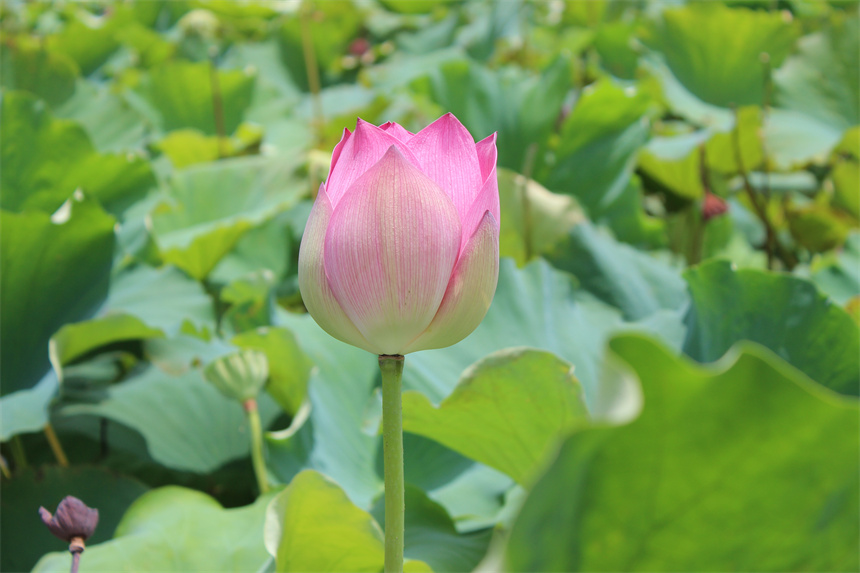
(392, 449)
(56, 446)
(257, 444)
(18, 453)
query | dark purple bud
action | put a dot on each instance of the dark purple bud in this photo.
(73, 519)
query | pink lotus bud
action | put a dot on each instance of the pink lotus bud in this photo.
(713, 206)
(401, 250)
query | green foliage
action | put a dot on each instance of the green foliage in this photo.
(46, 159)
(186, 422)
(178, 529)
(58, 267)
(686, 171)
(183, 96)
(711, 447)
(313, 526)
(729, 305)
(24, 534)
(494, 418)
(715, 51)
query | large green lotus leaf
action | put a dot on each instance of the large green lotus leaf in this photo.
(289, 367)
(613, 43)
(260, 250)
(179, 95)
(680, 100)
(746, 466)
(313, 526)
(25, 538)
(276, 94)
(816, 227)
(680, 177)
(596, 154)
(629, 279)
(177, 529)
(784, 313)
(408, 65)
(53, 270)
(110, 122)
(143, 302)
(533, 219)
(430, 535)
(507, 410)
(75, 340)
(46, 159)
(823, 79)
(186, 147)
(209, 207)
(88, 46)
(721, 147)
(714, 51)
(794, 138)
(540, 307)
(186, 422)
(28, 66)
(163, 298)
(474, 498)
(27, 410)
(341, 392)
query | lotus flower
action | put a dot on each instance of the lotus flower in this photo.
(401, 249)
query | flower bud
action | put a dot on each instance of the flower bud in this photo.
(73, 519)
(401, 249)
(713, 206)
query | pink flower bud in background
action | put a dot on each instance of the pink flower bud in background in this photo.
(401, 249)
(713, 206)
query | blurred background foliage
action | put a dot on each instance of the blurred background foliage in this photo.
(678, 181)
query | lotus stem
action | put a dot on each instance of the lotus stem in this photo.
(56, 446)
(392, 449)
(18, 454)
(257, 457)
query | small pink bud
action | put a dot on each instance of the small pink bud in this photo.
(713, 206)
(359, 46)
(401, 249)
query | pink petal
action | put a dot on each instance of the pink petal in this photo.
(447, 154)
(487, 155)
(397, 131)
(316, 293)
(335, 154)
(360, 152)
(389, 252)
(469, 292)
(487, 200)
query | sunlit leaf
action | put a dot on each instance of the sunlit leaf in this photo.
(313, 526)
(496, 417)
(715, 51)
(724, 445)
